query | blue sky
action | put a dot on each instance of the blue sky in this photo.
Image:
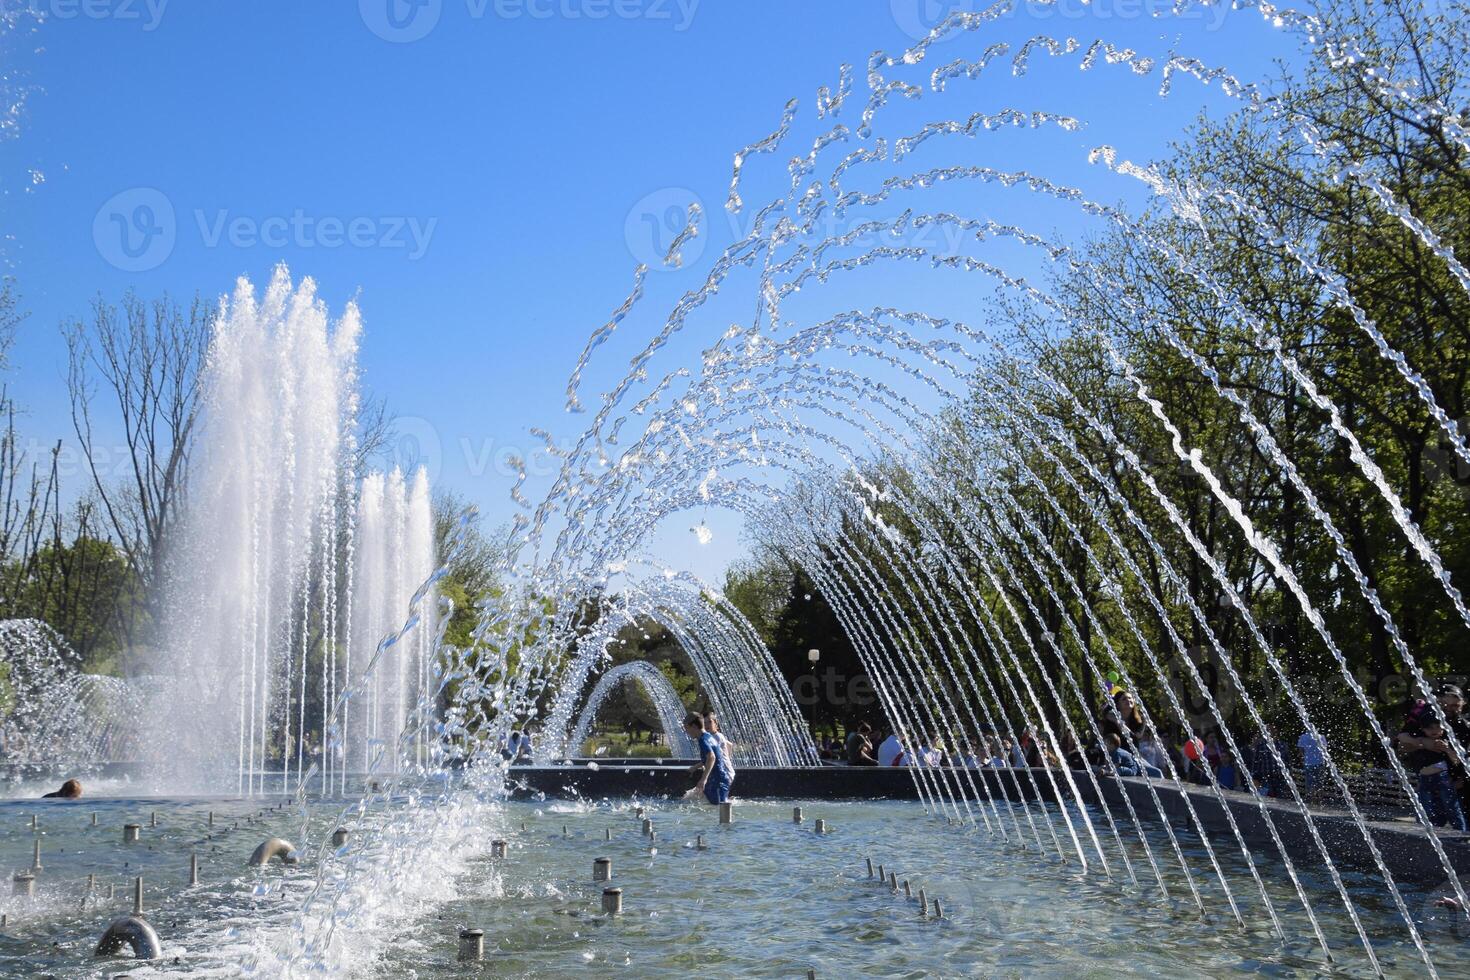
(483, 176)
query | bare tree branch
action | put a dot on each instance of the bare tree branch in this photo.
(146, 360)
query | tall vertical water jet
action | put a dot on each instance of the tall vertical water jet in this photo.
(245, 609)
(392, 557)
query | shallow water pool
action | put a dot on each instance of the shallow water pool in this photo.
(766, 897)
(769, 897)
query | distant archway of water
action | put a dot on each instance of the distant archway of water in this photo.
(659, 690)
(756, 708)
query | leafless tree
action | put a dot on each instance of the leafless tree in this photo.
(28, 487)
(145, 360)
(10, 318)
(374, 434)
(29, 492)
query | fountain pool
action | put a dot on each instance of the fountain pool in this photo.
(769, 897)
(236, 917)
(766, 897)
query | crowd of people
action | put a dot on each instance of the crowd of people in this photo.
(1126, 744)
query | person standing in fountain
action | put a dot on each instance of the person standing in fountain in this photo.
(712, 725)
(717, 773)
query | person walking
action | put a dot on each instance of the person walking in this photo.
(717, 774)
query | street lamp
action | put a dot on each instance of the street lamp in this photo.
(812, 656)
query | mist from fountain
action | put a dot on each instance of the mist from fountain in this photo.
(56, 717)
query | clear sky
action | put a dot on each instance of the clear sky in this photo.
(481, 175)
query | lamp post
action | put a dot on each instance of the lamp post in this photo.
(812, 656)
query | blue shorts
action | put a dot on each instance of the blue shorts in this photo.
(718, 790)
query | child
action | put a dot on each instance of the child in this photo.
(717, 773)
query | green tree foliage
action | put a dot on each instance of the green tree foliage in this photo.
(1218, 286)
(793, 617)
(82, 588)
(471, 577)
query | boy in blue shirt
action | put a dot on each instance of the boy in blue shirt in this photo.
(717, 773)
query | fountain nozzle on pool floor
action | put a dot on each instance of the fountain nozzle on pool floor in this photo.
(130, 931)
(275, 847)
(471, 945)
